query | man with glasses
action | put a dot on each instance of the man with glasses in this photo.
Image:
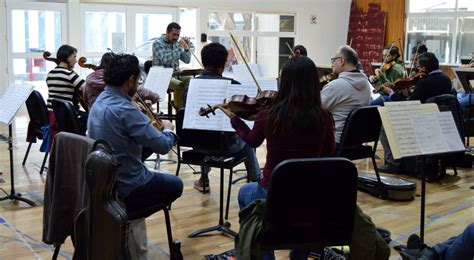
(349, 91)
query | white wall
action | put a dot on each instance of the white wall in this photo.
(321, 39)
(3, 47)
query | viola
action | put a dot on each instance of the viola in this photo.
(325, 79)
(243, 106)
(403, 83)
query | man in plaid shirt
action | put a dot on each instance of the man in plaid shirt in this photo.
(167, 51)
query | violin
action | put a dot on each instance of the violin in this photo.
(241, 105)
(387, 66)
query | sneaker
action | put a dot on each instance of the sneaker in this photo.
(202, 185)
(387, 168)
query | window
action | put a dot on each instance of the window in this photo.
(104, 30)
(446, 27)
(263, 37)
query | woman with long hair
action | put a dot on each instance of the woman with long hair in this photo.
(295, 126)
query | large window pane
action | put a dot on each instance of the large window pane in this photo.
(423, 6)
(266, 49)
(35, 30)
(149, 26)
(223, 20)
(104, 30)
(33, 70)
(465, 40)
(435, 32)
(234, 57)
(275, 23)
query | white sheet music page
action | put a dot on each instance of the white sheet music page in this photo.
(450, 131)
(243, 89)
(12, 100)
(201, 93)
(242, 74)
(399, 115)
(158, 80)
(428, 133)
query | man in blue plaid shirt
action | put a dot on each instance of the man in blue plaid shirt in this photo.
(167, 51)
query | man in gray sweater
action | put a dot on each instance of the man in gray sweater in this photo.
(349, 91)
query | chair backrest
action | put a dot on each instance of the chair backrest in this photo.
(362, 125)
(37, 109)
(449, 102)
(66, 117)
(310, 203)
(200, 139)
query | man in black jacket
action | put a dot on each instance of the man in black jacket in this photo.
(436, 83)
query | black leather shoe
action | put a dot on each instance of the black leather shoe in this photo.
(387, 168)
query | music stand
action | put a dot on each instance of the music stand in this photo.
(11, 102)
(464, 75)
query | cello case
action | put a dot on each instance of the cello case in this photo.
(100, 230)
(388, 188)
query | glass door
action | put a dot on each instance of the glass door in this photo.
(34, 28)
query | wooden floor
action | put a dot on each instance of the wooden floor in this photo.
(449, 209)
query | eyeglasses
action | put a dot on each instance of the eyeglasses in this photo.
(334, 59)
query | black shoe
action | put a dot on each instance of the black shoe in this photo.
(387, 168)
(414, 242)
(426, 253)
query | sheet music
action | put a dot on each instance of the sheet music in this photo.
(399, 114)
(158, 80)
(202, 92)
(450, 131)
(242, 74)
(429, 137)
(12, 100)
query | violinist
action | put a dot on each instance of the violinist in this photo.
(295, 126)
(392, 69)
(214, 56)
(436, 83)
(350, 90)
(168, 50)
(114, 119)
(64, 83)
(95, 84)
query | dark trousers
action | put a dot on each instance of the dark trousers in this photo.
(162, 189)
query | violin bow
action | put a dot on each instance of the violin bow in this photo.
(413, 60)
(194, 55)
(245, 61)
(389, 50)
(403, 57)
(291, 49)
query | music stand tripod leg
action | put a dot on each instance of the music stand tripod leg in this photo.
(13, 195)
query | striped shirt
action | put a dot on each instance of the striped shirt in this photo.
(63, 84)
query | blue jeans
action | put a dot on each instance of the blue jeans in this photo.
(162, 189)
(380, 100)
(240, 148)
(459, 247)
(463, 99)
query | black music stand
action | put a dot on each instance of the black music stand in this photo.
(12, 100)
(13, 195)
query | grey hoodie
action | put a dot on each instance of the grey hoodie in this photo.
(342, 95)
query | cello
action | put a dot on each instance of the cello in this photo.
(244, 106)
